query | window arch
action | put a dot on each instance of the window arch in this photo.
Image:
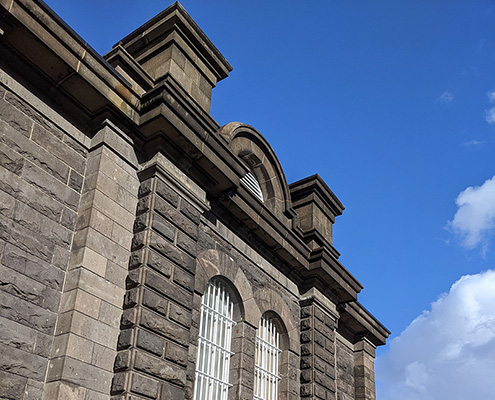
(214, 341)
(266, 363)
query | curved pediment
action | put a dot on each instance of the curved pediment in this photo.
(260, 159)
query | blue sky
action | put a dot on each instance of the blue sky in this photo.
(393, 104)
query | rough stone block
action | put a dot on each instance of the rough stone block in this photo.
(27, 264)
(22, 363)
(23, 238)
(190, 211)
(161, 369)
(16, 119)
(179, 315)
(169, 391)
(28, 289)
(76, 181)
(58, 148)
(144, 386)
(41, 225)
(10, 159)
(164, 327)
(178, 219)
(150, 342)
(155, 302)
(171, 252)
(163, 227)
(26, 313)
(43, 181)
(12, 386)
(160, 263)
(176, 354)
(169, 289)
(187, 244)
(16, 335)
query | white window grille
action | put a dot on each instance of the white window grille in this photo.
(266, 376)
(250, 181)
(215, 334)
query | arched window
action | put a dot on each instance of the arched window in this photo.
(249, 180)
(215, 334)
(266, 375)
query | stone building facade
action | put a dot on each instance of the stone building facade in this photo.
(122, 201)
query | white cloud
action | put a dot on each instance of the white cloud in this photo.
(447, 352)
(474, 220)
(473, 143)
(445, 98)
(491, 96)
(490, 115)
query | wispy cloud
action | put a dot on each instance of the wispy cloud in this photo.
(445, 98)
(448, 352)
(490, 113)
(473, 143)
(490, 116)
(474, 220)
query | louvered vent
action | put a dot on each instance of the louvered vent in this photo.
(250, 181)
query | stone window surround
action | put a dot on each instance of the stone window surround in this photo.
(248, 310)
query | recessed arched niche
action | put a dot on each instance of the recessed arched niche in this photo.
(264, 175)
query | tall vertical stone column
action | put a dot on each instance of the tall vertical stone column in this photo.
(155, 329)
(84, 348)
(318, 322)
(364, 369)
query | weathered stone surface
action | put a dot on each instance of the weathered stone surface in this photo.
(28, 289)
(169, 289)
(161, 369)
(75, 181)
(22, 363)
(11, 160)
(179, 220)
(176, 354)
(180, 315)
(171, 252)
(163, 227)
(190, 211)
(28, 194)
(12, 386)
(143, 385)
(187, 244)
(40, 179)
(16, 119)
(58, 148)
(164, 327)
(165, 191)
(150, 342)
(26, 313)
(155, 302)
(25, 263)
(183, 278)
(160, 263)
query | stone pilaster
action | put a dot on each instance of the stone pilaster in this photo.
(155, 329)
(364, 369)
(86, 334)
(318, 322)
(242, 361)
